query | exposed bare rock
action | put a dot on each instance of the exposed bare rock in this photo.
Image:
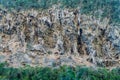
(31, 37)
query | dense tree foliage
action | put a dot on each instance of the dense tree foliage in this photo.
(62, 73)
(103, 8)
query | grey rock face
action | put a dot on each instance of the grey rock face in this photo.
(20, 59)
(51, 62)
(115, 38)
(2, 58)
(39, 48)
(26, 34)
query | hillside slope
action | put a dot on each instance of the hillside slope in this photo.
(56, 37)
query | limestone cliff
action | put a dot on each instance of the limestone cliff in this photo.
(56, 37)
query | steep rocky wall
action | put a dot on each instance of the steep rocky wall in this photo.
(56, 37)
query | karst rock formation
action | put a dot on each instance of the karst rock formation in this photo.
(57, 37)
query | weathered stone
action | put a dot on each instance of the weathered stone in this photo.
(2, 58)
(50, 62)
(27, 35)
(20, 59)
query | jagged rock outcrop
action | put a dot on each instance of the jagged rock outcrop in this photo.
(35, 33)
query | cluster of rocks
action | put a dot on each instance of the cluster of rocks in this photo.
(25, 36)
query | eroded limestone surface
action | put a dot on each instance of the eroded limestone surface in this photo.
(56, 37)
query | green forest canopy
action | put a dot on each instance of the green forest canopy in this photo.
(101, 8)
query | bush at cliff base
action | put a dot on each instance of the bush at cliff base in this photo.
(61, 73)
